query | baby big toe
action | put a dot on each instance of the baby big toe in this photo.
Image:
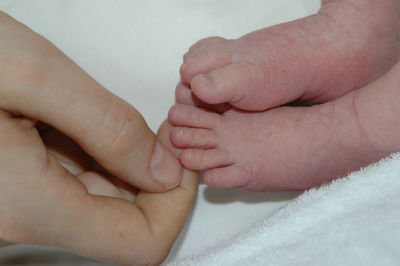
(183, 138)
(203, 62)
(231, 83)
(205, 159)
(227, 177)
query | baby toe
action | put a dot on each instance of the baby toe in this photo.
(234, 84)
(203, 62)
(183, 138)
(227, 177)
(205, 159)
(207, 42)
(184, 95)
(191, 116)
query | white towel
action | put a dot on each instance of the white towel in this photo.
(352, 221)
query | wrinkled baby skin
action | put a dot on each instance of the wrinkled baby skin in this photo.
(339, 58)
(346, 45)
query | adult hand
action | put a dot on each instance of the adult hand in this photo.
(43, 203)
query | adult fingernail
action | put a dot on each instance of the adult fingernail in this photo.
(165, 167)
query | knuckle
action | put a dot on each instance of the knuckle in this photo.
(122, 126)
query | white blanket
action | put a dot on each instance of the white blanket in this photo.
(353, 221)
(134, 48)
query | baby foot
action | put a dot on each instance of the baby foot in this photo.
(287, 148)
(345, 46)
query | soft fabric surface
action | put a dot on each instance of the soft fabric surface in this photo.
(134, 48)
(353, 221)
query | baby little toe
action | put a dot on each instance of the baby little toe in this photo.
(227, 177)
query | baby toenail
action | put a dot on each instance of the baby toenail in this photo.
(165, 167)
(205, 79)
(188, 91)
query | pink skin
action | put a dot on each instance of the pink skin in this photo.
(290, 148)
(347, 45)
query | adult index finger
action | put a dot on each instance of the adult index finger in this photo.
(40, 82)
